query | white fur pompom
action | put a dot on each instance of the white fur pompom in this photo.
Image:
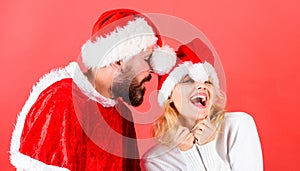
(163, 59)
(198, 72)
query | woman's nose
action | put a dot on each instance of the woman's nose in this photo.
(201, 86)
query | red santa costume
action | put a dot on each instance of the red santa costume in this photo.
(66, 124)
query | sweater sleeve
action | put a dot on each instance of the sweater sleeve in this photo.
(166, 161)
(155, 165)
(244, 149)
(205, 157)
(161, 158)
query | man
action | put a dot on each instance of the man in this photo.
(74, 118)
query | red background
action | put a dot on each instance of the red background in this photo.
(258, 43)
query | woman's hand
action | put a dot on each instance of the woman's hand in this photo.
(204, 131)
(187, 143)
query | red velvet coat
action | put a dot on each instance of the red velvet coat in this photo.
(67, 127)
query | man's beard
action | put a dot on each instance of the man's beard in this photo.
(129, 89)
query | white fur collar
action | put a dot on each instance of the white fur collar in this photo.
(22, 161)
(86, 87)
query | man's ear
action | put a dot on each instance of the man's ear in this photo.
(117, 65)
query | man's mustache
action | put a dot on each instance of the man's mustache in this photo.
(148, 78)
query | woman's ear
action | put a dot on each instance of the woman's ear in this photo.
(169, 100)
(221, 99)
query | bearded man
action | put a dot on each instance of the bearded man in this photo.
(75, 118)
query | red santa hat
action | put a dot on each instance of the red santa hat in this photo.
(194, 59)
(122, 33)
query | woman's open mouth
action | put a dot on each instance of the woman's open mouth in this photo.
(200, 100)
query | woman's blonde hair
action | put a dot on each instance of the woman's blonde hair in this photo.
(168, 121)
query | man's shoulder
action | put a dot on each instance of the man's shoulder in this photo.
(62, 85)
(57, 78)
(57, 83)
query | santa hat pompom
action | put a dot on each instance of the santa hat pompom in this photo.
(163, 59)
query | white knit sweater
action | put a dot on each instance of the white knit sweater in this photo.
(236, 148)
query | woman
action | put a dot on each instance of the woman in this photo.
(195, 132)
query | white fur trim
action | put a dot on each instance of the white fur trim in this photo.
(86, 87)
(162, 60)
(212, 73)
(120, 44)
(198, 72)
(25, 163)
(22, 161)
(18, 159)
(174, 77)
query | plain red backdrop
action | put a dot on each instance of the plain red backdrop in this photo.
(258, 43)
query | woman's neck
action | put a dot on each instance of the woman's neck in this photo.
(189, 123)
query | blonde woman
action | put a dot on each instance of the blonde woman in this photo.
(195, 132)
